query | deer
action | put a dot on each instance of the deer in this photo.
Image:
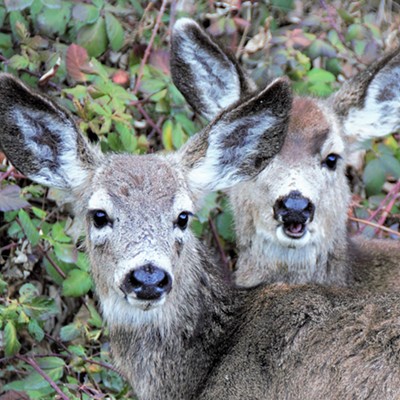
(179, 327)
(291, 218)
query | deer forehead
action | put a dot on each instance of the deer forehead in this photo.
(312, 131)
(139, 184)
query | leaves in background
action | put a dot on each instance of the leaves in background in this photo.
(10, 198)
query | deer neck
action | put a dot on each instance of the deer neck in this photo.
(264, 260)
(170, 355)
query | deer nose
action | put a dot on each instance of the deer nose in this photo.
(147, 282)
(294, 209)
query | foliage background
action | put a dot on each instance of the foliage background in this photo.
(108, 64)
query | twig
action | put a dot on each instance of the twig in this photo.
(53, 264)
(218, 241)
(36, 75)
(39, 370)
(332, 21)
(7, 173)
(375, 225)
(70, 354)
(245, 32)
(393, 192)
(8, 247)
(148, 119)
(150, 45)
(154, 130)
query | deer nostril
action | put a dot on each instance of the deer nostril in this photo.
(147, 282)
(294, 208)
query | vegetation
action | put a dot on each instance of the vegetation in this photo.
(107, 62)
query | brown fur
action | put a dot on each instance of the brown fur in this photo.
(206, 339)
(365, 107)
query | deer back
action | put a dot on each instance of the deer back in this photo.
(294, 213)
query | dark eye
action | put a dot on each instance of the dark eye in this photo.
(100, 219)
(183, 219)
(331, 161)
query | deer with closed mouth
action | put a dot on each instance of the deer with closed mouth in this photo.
(291, 219)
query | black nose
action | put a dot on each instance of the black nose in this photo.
(294, 209)
(148, 282)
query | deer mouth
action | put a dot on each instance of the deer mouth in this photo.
(294, 230)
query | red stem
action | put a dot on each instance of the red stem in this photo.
(150, 45)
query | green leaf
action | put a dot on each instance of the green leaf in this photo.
(317, 75)
(27, 292)
(53, 21)
(11, 343)
(320, 48)
(58, 234)
(66, 252)
(85, 13)
(178, 136)
(209, 203)
(34, 381)
(187, 124)
(2, 18)
(55, 4)
(391, 165)
(93, 38)
(115, 32)
(35, 330)
(224, 223)
(83, 262)
(355, 31)
(346, 17)
(374, 177)
(39, 212)
(78, 350)
(29, 229)
(127, 137)
(320, 89)
(41, 308)
(17, 5)
(95, 318)
(77, 283)
(151, 86)
(18, 62)
(18, 25)
(167, 135)
(70, 332)
(5, 41)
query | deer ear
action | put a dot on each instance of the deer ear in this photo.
(210, 79)
(240, 142)
(369, 104)
(40, 138)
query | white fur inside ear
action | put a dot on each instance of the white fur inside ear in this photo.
(216, 78)
(53, 142)
(381, 112)
(220, 168)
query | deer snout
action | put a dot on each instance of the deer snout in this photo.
(294, 211)
(148, 282)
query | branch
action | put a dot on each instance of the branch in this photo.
(39, 370)
(218, 241)
(375, 225)
(391, 195)
(150, 45)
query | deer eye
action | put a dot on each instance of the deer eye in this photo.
(183, 220)
(100, 219)
(331, 161)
